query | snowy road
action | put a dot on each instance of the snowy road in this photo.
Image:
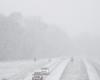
(51, 65)
(60, 69)
(92, 73)
(56, 74)
(79, 69)
(75, 71)
(93, 70)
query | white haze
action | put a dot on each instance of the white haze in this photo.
(78, 18)
(74, 15)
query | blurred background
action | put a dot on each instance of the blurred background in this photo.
(49, 28)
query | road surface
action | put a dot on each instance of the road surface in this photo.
(61, 69)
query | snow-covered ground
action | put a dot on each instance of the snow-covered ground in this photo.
(19, 69)
(51, 66)
(60, 69)
(92, 73)
(75, 71)
(57, 73)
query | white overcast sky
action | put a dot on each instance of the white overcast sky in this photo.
(76, 15)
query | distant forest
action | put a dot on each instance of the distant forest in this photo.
(29, 37)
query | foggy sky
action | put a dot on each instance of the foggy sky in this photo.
(74, 16)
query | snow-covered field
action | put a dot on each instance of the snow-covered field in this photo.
(60, 69)
(16, 70)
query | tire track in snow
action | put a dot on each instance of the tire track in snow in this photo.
(91, 71)
(56, 74)
(75, 71)
(96, 67)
